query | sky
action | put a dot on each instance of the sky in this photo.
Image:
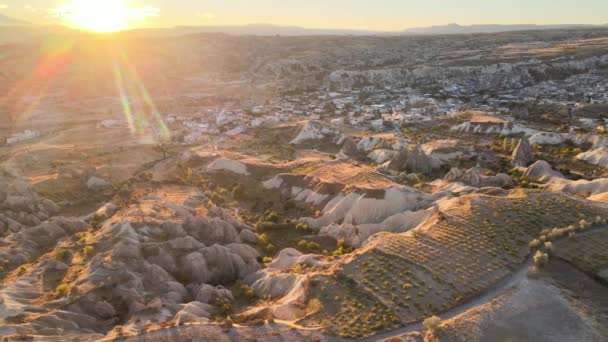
(380, 15)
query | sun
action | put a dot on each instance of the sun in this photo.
(98, 15)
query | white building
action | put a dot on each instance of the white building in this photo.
(23, 136)
(108, 124)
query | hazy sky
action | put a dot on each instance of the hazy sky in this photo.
(354, 14)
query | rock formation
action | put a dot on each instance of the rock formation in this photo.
(313, 130)
(541, 171)
(143, 268)
(597, 156)
(523, 154)
(349, 148)
(412, 159)
(474, 178)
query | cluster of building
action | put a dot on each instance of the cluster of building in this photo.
(378, 108)
(374, 109)
(583, 88)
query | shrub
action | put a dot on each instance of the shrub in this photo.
(298, 268)
(62, 289)
(237, 191)
(540, 258)
(273, 217)
(309, 245)
(314, 305)
(301, 227)
(534, 243)
(339, 251)
(270, 248)
(246, 291)
(313, 245)
(225, 308)
(433, 324)
(549, 246)
(88, 251)
(263, 239)
(61, 255)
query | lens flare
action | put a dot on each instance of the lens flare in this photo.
(55, 57)
(141, 113)
(103, 15)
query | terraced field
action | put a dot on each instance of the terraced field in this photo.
(353, 176)
(415, 275)
(588, 252)
(353, 306)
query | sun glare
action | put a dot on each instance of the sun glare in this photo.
(100, 15)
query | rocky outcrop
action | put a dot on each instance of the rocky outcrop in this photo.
(106, 211)
(380, 156)
(541, 171)
(189, 259)
(314, 130)
(546, 138)
(356, 235)
(597, 157)
(473, 177)
(349, 148)
(28, 243)
(412, 159)
(96, 183)
(584, 188)
(523, 154)
(289, 257)
(151, 261)
(367, 144)
(194, 312)
(503, 128)
(447, 150)
(248, 236)
(288, 289)
(355, 217)
(550, 138)
(20, 207)
(228, 165)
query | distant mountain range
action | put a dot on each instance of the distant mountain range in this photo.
(254, 30)
(10, 29)
(4, 20)
(464, 29)
(272, 30)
